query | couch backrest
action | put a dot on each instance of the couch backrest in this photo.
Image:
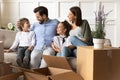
(7, 37)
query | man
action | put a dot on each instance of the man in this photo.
(45, 30)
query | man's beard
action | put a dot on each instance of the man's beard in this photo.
(41, 22)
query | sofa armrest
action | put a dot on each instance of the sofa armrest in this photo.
(10, 58)
(8, 37)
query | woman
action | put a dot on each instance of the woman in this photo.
(80, 34)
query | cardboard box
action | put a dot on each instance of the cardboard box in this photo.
(5, 68)
(1, 52)
(13, 76)
(98, 64)
(58, 69)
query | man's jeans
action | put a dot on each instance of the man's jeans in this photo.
(36, 57)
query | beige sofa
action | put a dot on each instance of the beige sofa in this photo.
(8, 37)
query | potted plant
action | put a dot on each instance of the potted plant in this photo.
(99, 32)
(11, 27)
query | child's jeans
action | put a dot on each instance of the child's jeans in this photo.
(23, 56)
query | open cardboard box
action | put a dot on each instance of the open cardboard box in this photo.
(12, 76)
(58, 69)
(5, 68)
(1, 52)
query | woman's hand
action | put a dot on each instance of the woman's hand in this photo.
(85, 39)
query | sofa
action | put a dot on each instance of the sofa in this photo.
(8, 37)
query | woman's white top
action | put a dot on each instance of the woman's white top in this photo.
(58, 41)
(76, 32)
(23, 39)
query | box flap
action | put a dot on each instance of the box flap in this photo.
(55, 71)
(34, 76)
(29, 70)
(66, 76)
(20, 68)
(5, 68)
(57, 62)
(44, 71)
(12, 76)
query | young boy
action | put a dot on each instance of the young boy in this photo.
(25, 41)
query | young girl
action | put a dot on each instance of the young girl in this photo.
(62, 39)
(25, 42)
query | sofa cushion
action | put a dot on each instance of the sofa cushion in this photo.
(10, 58)
(7, 37)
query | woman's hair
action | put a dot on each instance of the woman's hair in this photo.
(42, 10)
(77, 12)
(67, 26)
(22, 22)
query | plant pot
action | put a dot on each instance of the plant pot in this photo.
(98, 43)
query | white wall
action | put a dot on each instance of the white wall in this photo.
(12, 10)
